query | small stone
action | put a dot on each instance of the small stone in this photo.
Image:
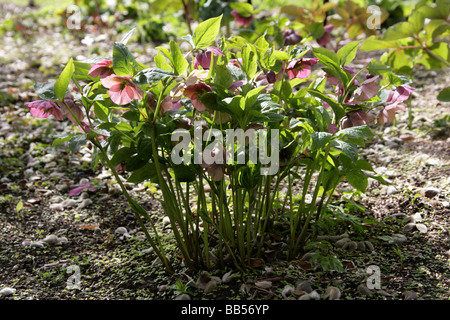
(163, 288)
(409, 227)
(332, 293)
(245, 289)
(210, 286)
(50, 240)
(342, 242)
(305, 297)
(363, 290)
(263, 284)
(399, 238)
(203, 279)
(287, 290)
(227, 277)
(57, 207)
(352, 246)
(361, 246)
(69, 203)
(37, 244)
(183, 297)
(84, 204)
(410, 295)
(391, 190)
(7, 291)
(384, 293)
(369, 245)
(166, 221)
(430, 192)
(303, 285)
(62, 240)
(422, 228)
(123, 231)
(315, 295)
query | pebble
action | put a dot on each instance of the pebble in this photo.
(430, 192)
(287, 290)
(303, 285)
(50, 240)
(183, 297)
(399, 238)
(7, 291)
(166, 220)
(391, 190)
(332, 293)
(264, 284)
(210, 286)
(410, 295)
(363, 290)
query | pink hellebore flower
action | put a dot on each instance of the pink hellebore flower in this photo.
(326, 37)
(332, 128)
(300, 68)
(121, 89)
(400, 94)
(194, 92)
(76, 191)
(44, 109)
(397, 96)
(102, 69)
(291, 37)
(357, 118)
(240, 20)
(367, 90)
(169, 104)
(204, 59)
(76, 110)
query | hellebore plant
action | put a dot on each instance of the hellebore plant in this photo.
(220, 134)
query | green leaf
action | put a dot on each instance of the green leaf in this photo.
(180, 64)
(45, 90)
(357, 132)
(244, 9)
(147, 172)
(206, 32)
(127, 37)
(330, 59)
(223, 76)
(124, 63)
(399, 31)
(184, 173)
(19, 206)
(150, 75)
(375, 43)
(347, 53)
(63, 81)
(336, 107)
(101, 111)
(76, 142)
(249, 61)
(63, 138)
(350, 149)
(375, 67)
(319, 140)
(121, 155)
(444, 95)
(357, 179)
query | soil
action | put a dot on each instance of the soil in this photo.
(415, 160)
